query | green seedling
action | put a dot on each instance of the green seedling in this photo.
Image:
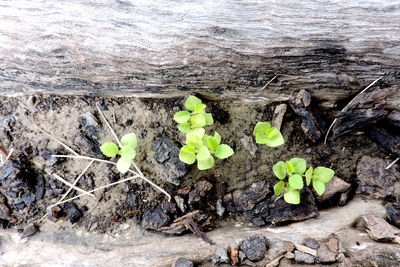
(194, 117)
(266, 134)
(127, 151)
(295, 170)
(199, 146)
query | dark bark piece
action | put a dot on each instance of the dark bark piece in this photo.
(335, 187)
(154, 219)
(72, 212)
(246, 198)
(4, 209)
(12, 175)
(199, 191)
(378, 229)
(167, 156)
(89, 146)
(366, 109)
(388, 140)
(278, 115)
(300, 102)
(374, 180)
(228, 202)
(29, 230)
(328, 249)
(191, 221)
(393, 213)
(280, 211)
(394, 118)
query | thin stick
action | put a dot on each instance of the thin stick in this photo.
(139, 173)
(99, 188)
(391, 164)
(69, 184)
(108, 125)
(51, 136)
(75, 182)
(347, 106)
(276, 76)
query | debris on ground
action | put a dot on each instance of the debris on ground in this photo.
(248, 143)
(167, 155)
(336, 190)
(72, 212)
(379, 230)
(199, 191)
(254, 247)
(387, 139)
(154, 219)
(374, 179)
(393, 212)
(220, 256)
(181, 262)
(300, 102)
(278, 115)
(29, 230)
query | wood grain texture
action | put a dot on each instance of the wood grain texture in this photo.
(229, 48)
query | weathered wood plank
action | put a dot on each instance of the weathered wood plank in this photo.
(230, 47)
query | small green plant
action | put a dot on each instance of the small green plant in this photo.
(266, 134)
(295, 170)
(199, 146)
(127, 151)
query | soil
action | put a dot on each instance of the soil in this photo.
(151, 119)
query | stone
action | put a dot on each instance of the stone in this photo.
(199, 191)
(220, 256)
(301, 257)
(182, 262)
(311, 243)
(72, 212)
(167, 155)
(288, 246)
(328, 249)
(254, 247)
(289, 255)
(374, 180)
(281, 211)
(334, 188)
(248, 143)
(29, 230)
(154, 219)
(28, 198)
(278, 115)
(242, 256)
(246, 198)
(220, 208)
(378, 229)
(180, 202)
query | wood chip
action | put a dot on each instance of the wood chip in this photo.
(378, 229)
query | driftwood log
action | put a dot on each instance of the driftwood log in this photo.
(219, 48)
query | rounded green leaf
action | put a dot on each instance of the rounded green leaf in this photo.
(319, 187)
(289, 167)
(197, 120)
(193, 140)
(109, 149)
(309, 174)
(292, 197)
(182, 116)
(123, 164)
(212, 143)
(205, 164)
(323, 174)
(198, 131)
(217, 137)
(261, 139)
(129, 140)
(299, 165)
(203, 153)
(192, 102)
(278, 188)
(261, 128)
(209, 119)
(199, 108)
(274, 138)
(187, 154)
(280, 170)
(127, 152)
(296, 181)
(184, 127)
(223, 151)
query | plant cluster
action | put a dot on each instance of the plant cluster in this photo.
(127, 151)
(295, 170)
(199, 146)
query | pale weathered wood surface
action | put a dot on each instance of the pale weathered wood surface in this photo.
(233, 47)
